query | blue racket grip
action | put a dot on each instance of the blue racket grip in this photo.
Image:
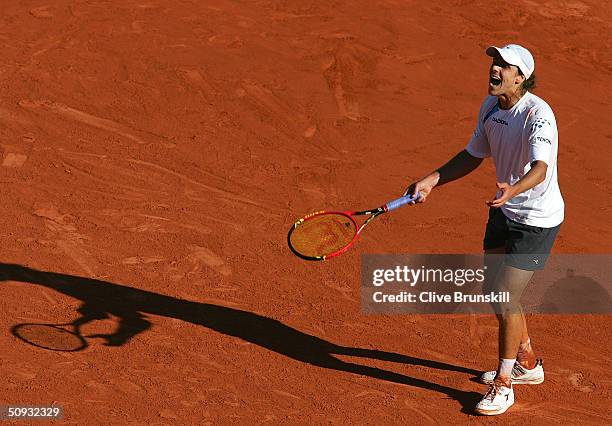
(406, 199)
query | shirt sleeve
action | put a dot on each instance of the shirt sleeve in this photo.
(478, 146)
(542, 135)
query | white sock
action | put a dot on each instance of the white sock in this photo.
(505, 367)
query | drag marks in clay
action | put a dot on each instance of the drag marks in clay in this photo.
(63, 232)
(202, 256)
(98, 122)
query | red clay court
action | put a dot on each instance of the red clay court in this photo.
(154, 154)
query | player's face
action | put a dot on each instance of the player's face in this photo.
(504, 79)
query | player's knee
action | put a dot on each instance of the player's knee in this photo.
(506, 309)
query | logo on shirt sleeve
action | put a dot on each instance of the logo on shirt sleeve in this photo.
(541, 139)
(539, 123)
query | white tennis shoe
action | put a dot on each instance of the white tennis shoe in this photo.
(520, 375)
(497, 400)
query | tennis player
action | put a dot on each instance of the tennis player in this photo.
(518, 130)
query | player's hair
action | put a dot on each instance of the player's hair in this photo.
(530, 83)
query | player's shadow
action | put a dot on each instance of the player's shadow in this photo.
(130, 305)
(576, 294)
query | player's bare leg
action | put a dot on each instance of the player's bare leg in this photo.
(512, 328)
(494, 261)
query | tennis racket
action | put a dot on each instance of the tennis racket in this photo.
(325, 234)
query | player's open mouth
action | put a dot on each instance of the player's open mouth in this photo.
(494, 81)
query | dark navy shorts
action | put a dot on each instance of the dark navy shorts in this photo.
(527, 247)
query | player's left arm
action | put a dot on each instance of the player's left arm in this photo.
(533, 177)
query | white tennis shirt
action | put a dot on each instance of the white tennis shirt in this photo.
(515, 138)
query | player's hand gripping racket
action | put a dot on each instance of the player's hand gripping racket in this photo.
(326, 234)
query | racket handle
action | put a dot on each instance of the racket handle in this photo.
(392, 205)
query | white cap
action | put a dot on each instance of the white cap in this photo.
(515, 55)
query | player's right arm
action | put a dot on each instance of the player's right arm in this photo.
(460, 165)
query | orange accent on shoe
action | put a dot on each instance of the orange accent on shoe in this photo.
(504, 381)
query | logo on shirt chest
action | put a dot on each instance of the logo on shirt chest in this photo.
(499, 120)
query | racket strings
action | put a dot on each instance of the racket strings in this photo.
(323, 235)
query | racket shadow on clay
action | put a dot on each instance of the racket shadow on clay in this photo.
(53, 337)
(132, 306)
